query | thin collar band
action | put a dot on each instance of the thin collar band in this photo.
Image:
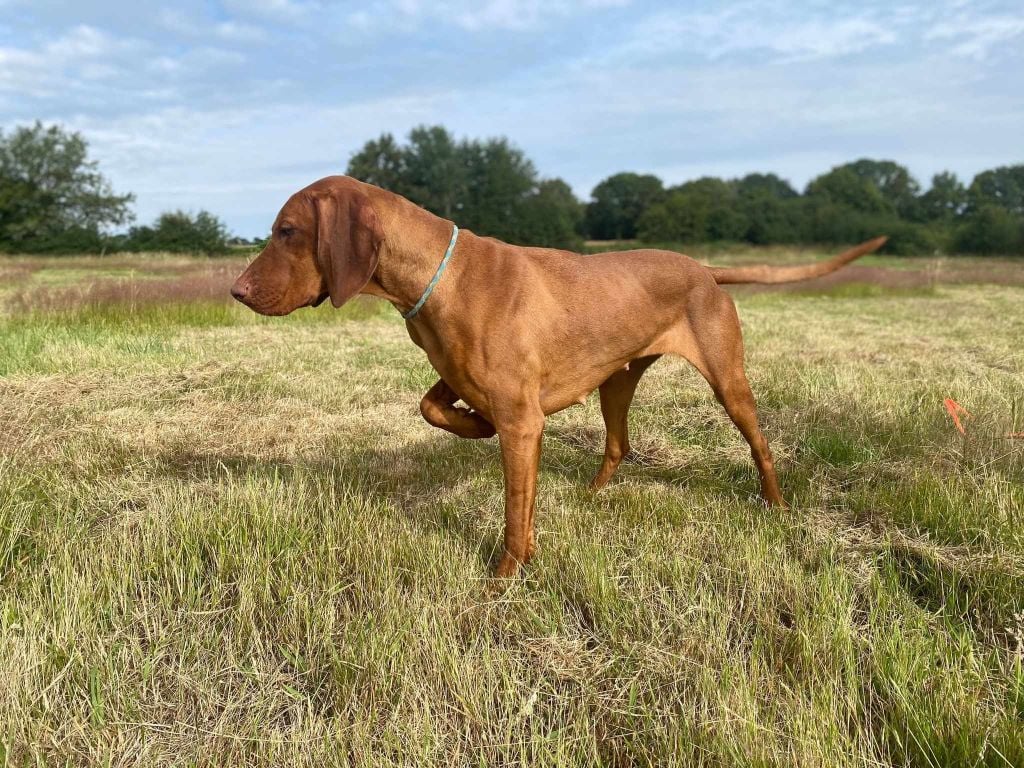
(436, 278)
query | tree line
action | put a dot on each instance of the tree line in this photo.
(849, 203)
(492, 188)
(53, 198)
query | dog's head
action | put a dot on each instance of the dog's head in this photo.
(324, 242)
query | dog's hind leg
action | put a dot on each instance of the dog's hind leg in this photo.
(733, 392)
(713, 342)
(439, 409)
(616, 396)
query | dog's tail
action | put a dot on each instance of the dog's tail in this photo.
(767, 274)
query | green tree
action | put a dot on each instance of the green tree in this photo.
(488, 186)
(771, 220)
(991, 229)
(435, 170)
(618, 203)
(1000, 187)
(893, 181)
(697, 211)
(844, 187)
(552, 216)
(764, 185)
(771, 208)
(180, 232)
(848, 204)
(381, 162)
(717, 200)
(945, 199)
(671, 220)
(499, 179)
(51, 194)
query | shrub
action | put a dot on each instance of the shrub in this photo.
(180, 232)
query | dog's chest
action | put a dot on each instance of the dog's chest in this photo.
(461, 367)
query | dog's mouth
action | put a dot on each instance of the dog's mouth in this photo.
(278, 310)
(271, 311)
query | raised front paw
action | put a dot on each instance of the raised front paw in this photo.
(478, 427)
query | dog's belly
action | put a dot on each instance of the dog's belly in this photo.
(578, 364)
(565, 392)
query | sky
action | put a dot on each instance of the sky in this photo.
(231, 106)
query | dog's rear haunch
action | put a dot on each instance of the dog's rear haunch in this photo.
(518, 333)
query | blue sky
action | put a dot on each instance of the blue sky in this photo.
(231, 106)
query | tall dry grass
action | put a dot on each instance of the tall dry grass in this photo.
(230, 540)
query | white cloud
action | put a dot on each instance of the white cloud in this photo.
(179, 22)
(83, 52)
(240, 163)
(232, 30)
(81, 42)
(760, 28)
(175, 20)
(181, 109)
(288, 11)
(361, 20)
(519, 14)
(475, 15)
(974, 36)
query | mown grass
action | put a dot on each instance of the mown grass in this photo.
(227, 540)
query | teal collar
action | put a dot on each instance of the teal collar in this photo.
(436, 278)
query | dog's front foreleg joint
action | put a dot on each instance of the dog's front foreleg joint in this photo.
(439, 409)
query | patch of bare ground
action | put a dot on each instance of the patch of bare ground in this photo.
(13, 274)
(927, 276)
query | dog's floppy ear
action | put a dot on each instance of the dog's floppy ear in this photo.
(348, 237)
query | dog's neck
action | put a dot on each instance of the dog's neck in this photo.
(414, 243)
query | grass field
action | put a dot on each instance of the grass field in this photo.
(229, 540)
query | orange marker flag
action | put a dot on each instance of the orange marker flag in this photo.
(955, 409)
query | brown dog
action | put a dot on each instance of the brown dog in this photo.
(518, 333)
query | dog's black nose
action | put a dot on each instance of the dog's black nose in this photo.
(240, 290)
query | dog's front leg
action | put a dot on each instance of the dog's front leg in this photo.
(439, 409)
(520, 457)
